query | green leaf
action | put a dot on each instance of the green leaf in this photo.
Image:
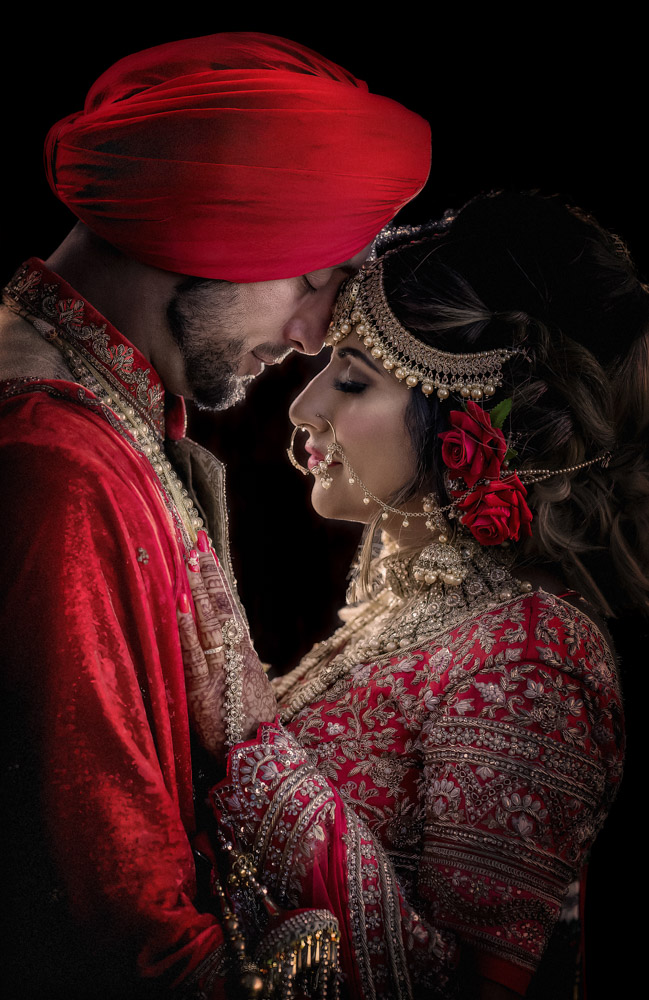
(509, 454)
(500, 412)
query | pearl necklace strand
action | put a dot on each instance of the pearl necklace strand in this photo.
(146, 440)
(143, 435)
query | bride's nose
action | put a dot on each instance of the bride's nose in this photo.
(306, 409)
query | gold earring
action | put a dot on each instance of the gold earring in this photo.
(291, 454)
(439, 560)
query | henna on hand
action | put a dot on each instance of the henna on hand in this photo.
(203, 651)
(259, 701)
(205, 686)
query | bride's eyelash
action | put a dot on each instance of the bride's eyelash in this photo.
(348, 385)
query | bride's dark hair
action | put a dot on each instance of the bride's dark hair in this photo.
(525, 270)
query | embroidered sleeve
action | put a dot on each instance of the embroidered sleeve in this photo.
(522, 754)
(312, 850)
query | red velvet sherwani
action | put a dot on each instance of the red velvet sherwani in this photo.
(100, 774)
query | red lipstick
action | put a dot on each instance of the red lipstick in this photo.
(315, 457)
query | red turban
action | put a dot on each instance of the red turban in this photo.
(238, 156)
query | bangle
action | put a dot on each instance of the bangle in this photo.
(232, 635)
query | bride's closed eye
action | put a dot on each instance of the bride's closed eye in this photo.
(348, 385)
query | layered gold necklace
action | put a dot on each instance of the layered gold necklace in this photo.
(403, 615)
(146, 440)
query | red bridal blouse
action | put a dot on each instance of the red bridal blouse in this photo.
(455, 787)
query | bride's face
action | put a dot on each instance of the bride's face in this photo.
(367, 407)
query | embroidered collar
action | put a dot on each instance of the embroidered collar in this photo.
(55, 308)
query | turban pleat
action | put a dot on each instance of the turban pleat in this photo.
(238, 156)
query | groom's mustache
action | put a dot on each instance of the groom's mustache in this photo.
(272, 354)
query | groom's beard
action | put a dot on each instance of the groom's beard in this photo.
(204, 322)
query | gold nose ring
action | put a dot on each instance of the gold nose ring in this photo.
(291, 454)
(331, 426)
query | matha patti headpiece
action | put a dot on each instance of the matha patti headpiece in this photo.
(363, 308)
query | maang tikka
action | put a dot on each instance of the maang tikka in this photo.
(362, 308)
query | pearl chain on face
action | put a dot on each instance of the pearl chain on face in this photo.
(440, 560)
(448, 574)
(321, 470)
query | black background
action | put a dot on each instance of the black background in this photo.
(514, 103)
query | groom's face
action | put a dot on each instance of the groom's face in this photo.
(227, 333)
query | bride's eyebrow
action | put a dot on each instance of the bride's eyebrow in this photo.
(354, 352)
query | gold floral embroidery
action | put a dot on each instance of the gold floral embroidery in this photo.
(91, 339)
(485, 763)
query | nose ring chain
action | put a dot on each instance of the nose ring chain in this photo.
(321, 470)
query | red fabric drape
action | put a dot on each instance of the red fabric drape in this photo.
(99, 876)
(93, 682)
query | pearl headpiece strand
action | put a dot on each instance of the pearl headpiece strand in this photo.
(363, 308)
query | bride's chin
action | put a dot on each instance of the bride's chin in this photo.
(322, 503)
(326, 504)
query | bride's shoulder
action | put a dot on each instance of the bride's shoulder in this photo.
(556, 632)
(534, 660)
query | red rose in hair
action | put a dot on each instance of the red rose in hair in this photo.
(496, 511)
(474, 449)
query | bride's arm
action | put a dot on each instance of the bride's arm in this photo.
(523, 752)
(300, 840)
(310, 849)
